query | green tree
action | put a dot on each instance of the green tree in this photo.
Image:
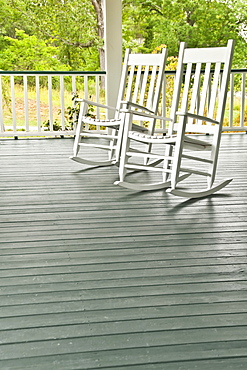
(68, 25)
(29, 53)
(75, 29)
(197, 22)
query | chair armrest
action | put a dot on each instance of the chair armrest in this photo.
(130, 104)
(197, 116)
(143, 114)
(95, 104)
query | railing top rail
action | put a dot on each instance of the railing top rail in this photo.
(67, 73)
(239, 70)
(234, 70)
(83, 73)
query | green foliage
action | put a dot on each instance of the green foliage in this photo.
(71, 116)
(28, 53)
(200, 23)
(66, 32)
(55, 127)
(68, 26)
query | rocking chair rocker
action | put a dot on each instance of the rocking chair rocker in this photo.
(198, 107)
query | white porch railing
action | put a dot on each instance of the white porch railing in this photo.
(40, 103)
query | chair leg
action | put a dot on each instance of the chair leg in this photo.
(119, 141)
(112, 143)
(77, 140)
(124, 147)
(167, 163)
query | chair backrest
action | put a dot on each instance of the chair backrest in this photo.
(141, 79)
(201, 85)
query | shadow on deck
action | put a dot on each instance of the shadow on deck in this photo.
(94, 276)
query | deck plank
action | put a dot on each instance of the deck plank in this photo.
(93, 276)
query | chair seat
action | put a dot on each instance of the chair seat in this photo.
(155, 139)
(113, 123)
(151, 139)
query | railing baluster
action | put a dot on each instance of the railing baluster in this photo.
(12, 87)
(50, 102)
(74, 84)
(74, 92)
(231, 100)
(163, 105)
(243, 85)
(97, 96)
(86, 92)
(26, 102)
(37, 87)
(62, 102)
(2, 128)
(86, 87)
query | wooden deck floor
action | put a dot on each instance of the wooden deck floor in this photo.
(93, 276)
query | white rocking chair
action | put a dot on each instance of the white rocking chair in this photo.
(198, 107)
(140, 89)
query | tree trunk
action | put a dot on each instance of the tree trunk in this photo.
(99, 9)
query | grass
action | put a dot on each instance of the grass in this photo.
(236, 112)
(32, 105)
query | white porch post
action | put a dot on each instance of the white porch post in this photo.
(113, 49)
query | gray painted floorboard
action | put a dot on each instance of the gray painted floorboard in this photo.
(93, 276)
